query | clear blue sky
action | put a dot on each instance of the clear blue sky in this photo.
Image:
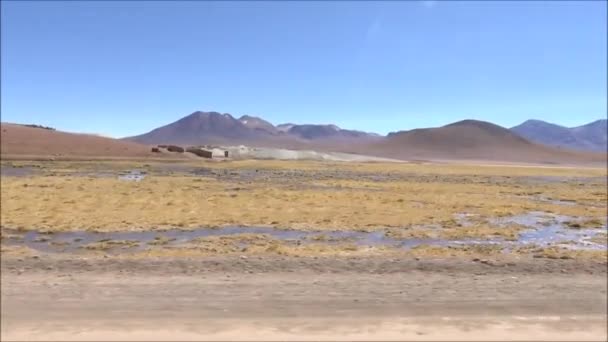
(120, 69)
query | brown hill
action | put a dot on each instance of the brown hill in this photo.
(19, 140)
(473, 140)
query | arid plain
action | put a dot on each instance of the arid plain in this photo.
(302, 249)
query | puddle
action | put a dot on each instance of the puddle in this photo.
(551, 201)
(133, 176)
(141, 240)
(544, 230)
(565, 179)
(12, 171)
(95, 174)
(549, 229)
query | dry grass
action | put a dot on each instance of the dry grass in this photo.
(564, 253)
(108, 204)
(584, 224)
(416, 232)
(460, 251)
(601, 238)
(257, 244)
(17, 251)
(110, 244)
(510, 232)
(160, 240)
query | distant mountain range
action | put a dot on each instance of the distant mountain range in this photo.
(590, 137)
(467, 139)
(462, 140)
(215, 128)
(201, 128)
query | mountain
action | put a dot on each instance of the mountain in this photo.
(215, 128)
(463, 140)
(200, 128)
(589, 137)
(313, 132)
(467, 139)
(285, 127)
(256, 123)
(20, 140)
(472, 140)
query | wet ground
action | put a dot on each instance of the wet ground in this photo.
(16, 171)
(542, 230)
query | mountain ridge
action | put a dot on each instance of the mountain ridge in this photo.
(213, 127)
(465, 139)
(588, 137)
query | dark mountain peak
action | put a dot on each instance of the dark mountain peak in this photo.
(198, 126)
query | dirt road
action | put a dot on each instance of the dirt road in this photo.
(229, 298)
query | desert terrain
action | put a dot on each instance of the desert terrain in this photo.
(303, 171)
(302, 250)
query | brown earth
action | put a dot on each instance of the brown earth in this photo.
(55, 297)
(18, 140)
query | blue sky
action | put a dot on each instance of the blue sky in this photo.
(123, 68)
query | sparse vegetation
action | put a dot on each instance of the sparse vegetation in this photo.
(109, 204)
(408, 201)
(586, 223)
(451, 251)
(161, 240)
(565, 253)
(601, 238)
(509, 233)
(104, 245)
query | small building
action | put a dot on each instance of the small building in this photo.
(173, 148)
(200, 152)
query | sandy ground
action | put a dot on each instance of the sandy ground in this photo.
(270, 298)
